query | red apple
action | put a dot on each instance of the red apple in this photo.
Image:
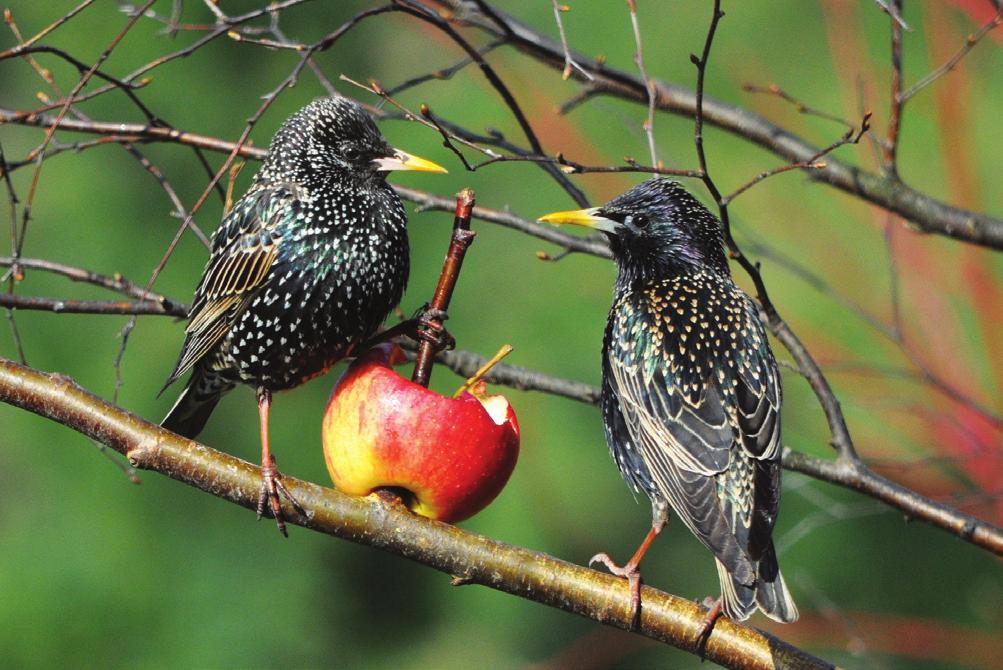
(452, 455)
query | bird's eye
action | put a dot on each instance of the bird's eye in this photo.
(637, 220)
(352, 153)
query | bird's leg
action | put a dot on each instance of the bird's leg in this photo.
(271, 478)
(659, 518)
(714, 612)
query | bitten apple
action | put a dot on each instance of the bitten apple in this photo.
(453, 456)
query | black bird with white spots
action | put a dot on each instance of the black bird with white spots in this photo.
(306, 266)
(691, 391)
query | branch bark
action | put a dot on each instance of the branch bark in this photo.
(471, 558)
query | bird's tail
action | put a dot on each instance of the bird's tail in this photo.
(197, 401)
(769, 592)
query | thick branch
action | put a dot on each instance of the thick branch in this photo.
(471, 557)
(928, 214)
(854, 475)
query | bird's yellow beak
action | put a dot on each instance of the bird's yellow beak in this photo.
(581, 217)
(401, 160)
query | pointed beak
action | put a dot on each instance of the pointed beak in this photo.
(581, 217)
(401, 160)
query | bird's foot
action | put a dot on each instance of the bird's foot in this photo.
(268, 495)
(714, 613)
(633, 575)
(428, 327)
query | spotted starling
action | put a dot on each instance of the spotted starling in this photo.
(305, 266)
(690, 391)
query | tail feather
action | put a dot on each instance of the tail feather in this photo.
(769, 592)
(738, 600)
(197, 401)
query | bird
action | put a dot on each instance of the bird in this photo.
(302, 270)
(691, 392)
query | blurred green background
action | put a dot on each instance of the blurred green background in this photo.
(97, 571)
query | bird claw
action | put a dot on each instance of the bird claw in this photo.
(633, 576)
(268, 495)
(428, 328)
(713, 614)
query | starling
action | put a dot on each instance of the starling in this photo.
(691, 392)
(304, 268)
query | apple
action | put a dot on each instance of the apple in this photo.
(449, 456)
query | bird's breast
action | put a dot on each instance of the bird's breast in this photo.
(331, 286)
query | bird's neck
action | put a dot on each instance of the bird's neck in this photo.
(636, 274)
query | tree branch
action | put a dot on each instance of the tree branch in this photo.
(472, 558)
(856, 476)
(64, 306)
(926, 213)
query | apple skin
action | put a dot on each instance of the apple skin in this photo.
(383, 430)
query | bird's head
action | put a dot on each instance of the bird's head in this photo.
(335, 137)
(655, 229)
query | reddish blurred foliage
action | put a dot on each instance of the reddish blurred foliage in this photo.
(981, 12)
(873, 633)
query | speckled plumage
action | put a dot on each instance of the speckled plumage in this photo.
(691, 392)
(304, 267)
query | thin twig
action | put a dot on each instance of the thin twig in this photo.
(649, 123)
(891, 142)
(893, 10)
(23, 44)
(218, 31)
(569, 62)
(801, 107)
(423, 13)
(16, 336)
(64, 306)
(970, 42)
(852, 136)
(375, 88)
(443, 74)
(116, 283)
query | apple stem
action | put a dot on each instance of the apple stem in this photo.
(462, 238)
(505, 350)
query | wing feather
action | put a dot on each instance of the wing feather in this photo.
(244, 249)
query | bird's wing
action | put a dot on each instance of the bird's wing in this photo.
(244, 248)
(703, 410)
